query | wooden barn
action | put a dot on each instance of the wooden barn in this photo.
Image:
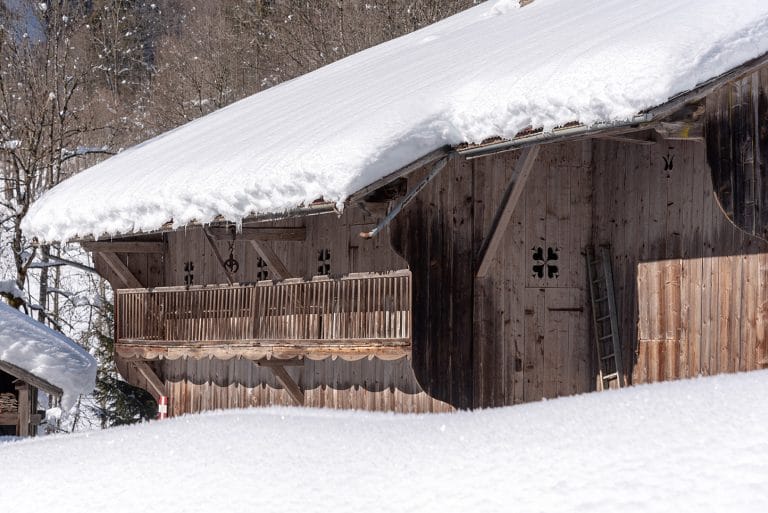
(34, 358)
(537, 264)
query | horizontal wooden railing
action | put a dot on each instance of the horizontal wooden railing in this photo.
(356, 308)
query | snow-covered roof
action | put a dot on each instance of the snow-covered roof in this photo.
(490, 71)
(689, 446)
(46, 354)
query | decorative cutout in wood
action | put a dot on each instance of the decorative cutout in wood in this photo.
(189, 268)
(262, 273)
(543, 263)
(231, 265)
(324, 262)
(669, 159)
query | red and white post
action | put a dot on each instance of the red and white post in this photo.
(162, 408)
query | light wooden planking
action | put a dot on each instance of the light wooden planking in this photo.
(290, 385)
(696, 274)
(199, 385)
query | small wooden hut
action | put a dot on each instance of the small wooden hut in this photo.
(19, 414)
(535, 265)
(35, 358)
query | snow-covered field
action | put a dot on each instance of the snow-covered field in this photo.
(698, 445)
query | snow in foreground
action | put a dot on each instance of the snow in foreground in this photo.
(47, 354)
(697, 445)
(489, 71)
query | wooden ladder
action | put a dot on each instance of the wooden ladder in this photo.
(604, 317)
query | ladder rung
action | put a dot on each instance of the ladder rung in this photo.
(606, 337)
(613, 375)
(601, 299)
(603, 318)
(608, 356)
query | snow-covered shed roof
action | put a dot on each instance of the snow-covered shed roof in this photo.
(490, 71)
(46, 354)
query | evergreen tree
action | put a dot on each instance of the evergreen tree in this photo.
(119, 403)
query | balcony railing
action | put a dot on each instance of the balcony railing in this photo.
(359, 309)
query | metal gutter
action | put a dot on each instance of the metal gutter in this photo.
(556, 135)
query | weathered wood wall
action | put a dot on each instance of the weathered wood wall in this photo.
(195, 385)
(692, 289)
(737, 149)
(349, 253)
(376, 385)
(516, 335)
(148, 268)
(434, 234)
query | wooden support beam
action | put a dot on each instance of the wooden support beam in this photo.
(212, 243)
(30, 378)
(504, 213)
(258, 233)
(627, 139)
(407, 198)
(290, 385)
(681, 131)
(154, 385)
(273, 261)
(126, 277)
(124, 247)
(403, 171)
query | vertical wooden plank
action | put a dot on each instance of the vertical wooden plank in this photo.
(747, 360)
(761, 338)
(724, 308)
(535, 321)
(736, 311)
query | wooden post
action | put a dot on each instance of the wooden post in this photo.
(25, 409)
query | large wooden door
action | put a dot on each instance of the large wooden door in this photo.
(531, 314)
(557, 228)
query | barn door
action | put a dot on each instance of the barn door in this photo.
(556, 336)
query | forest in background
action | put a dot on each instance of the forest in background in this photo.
(82, 80)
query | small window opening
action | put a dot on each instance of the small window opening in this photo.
(324, 262)
(262, 273)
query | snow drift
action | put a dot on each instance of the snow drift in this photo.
(683, 446)
(47, 354)
(489, 71)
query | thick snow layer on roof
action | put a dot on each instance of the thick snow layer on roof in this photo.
(47, 354)
(688, 446)
(489, 71)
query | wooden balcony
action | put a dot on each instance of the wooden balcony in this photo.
(353, 317)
